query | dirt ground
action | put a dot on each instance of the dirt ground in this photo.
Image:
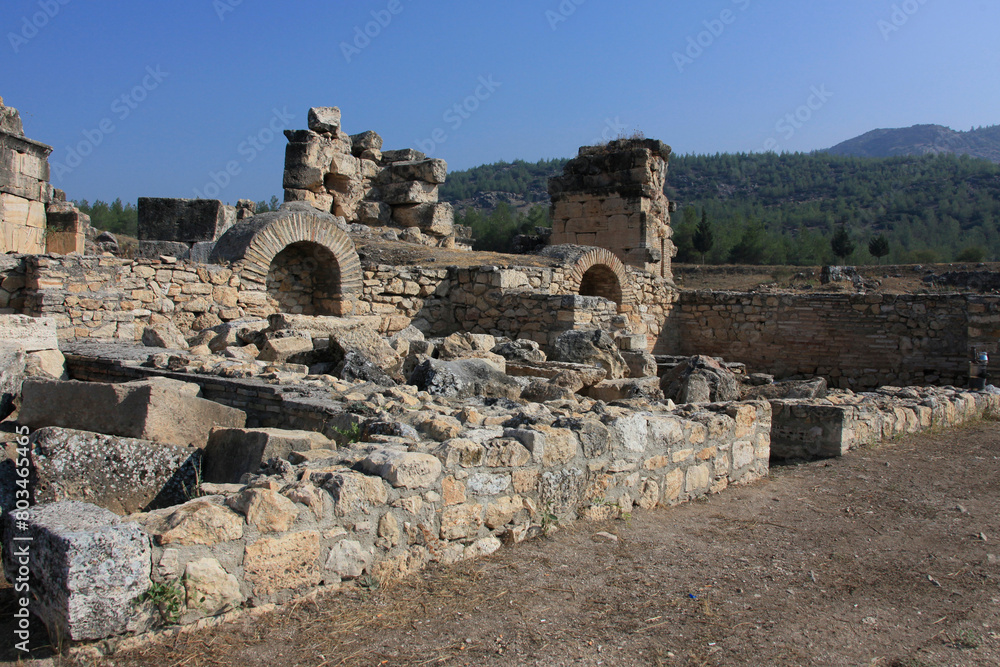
(885, 558)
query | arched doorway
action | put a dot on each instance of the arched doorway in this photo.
(298, 258)
(600, 280)
(304, 279)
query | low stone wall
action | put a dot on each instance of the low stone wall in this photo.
(396, 510)
(803, 429)
(856, 341)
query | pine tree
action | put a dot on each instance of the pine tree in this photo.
(878, 246)
(703, 238)
(841, 242)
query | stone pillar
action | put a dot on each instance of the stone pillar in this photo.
(612, 197)
(24, 186)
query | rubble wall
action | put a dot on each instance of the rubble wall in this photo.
(462, 499)
(856, 341)
(804, 429)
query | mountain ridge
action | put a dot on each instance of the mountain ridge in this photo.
(982, 142)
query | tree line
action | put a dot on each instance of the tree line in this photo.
(785, 209)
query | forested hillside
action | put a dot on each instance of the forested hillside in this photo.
(781, 209)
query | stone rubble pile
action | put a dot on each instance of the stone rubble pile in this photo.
(351, 177)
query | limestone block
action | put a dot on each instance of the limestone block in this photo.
(502, 511)
(640, 363)
(183, 220)
(354, 492)
(348, 559)
(411, 192)
(23, 224)
(165, 335)
(280, 563)
(29, 334)
(463, 379)
(460, 452)
(201, 521)
(435, 219)
(364, 142)
(88, 568)
(324, 119)
(374, 213)
(433, 171)
(124, 475)
(232, 452)
(616, 390)
(461, 521)
(593, 347)
(408, 470)
(402, 155)
(158, 249)
(209, 589)
(265, 509)
(278, 350)
(164, 411)
(46, 364)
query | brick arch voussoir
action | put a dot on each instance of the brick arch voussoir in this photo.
(607, 259)
(300, 228)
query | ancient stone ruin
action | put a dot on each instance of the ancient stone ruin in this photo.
(257, 406)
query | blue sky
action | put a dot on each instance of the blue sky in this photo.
(142, 98)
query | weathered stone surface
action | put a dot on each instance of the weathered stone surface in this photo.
(548, 446)
(355, 366)
(324, 119)
(700, 379)
(195, 522)
(593, 347)
(412, 192)
(165, 335)
(407, 470)
(463, 378)
(402, 155)
(541, 391)
(279, 563)
(355, 492)
(29, 334)
(428, 170)
(12, 372)
(124, 475)
(209, 589)
(365, 141)
(461, 521)
(46, 364)
(278, 350)
(647, 388)
(640, 363)
(237, 332)
(520, 350)
(183, 220)
(571, 376)
(265, 509)
(88, 568)
(160, 410)
(502, 511)
(815, 388)
(348, 559)
(434, 219)
(460, 452)
(230, 453)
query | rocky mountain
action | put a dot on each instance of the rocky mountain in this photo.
(983, 142)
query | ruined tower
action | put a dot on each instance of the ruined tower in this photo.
(611, 197)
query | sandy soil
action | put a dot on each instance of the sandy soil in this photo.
(885, 558)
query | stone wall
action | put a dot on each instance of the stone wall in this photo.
(856, 341)
(612, 197)
(803, 429)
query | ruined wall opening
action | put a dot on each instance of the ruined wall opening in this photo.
(601, 281)
(304, 279)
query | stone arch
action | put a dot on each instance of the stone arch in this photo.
(594, 272)
(299, 257)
